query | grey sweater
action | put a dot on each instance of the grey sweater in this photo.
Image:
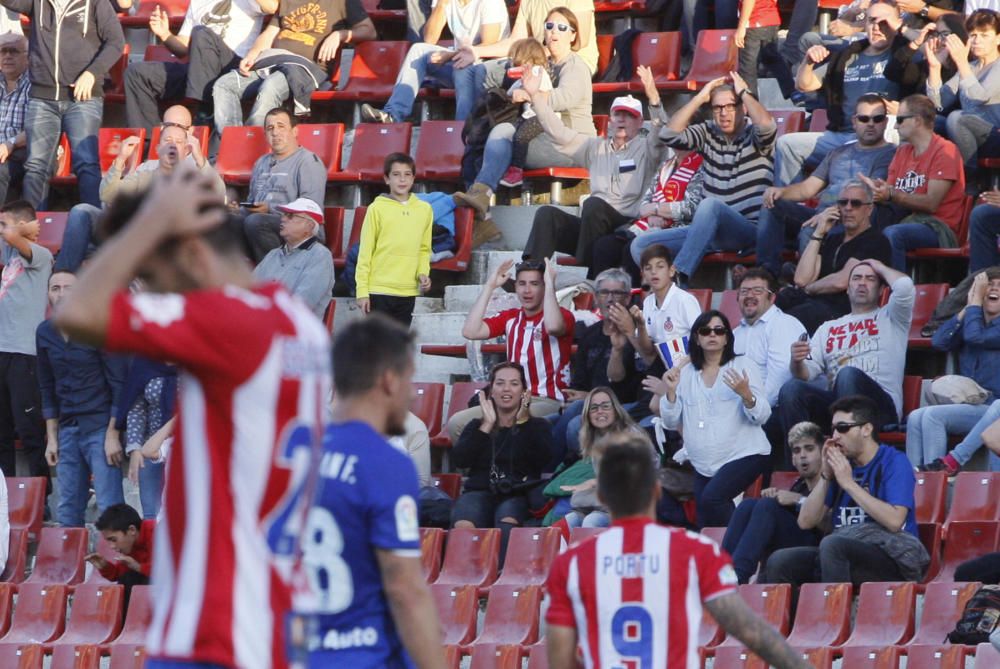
(277, 182)
(978, 94)
(306, 271)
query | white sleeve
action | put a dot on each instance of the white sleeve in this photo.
(188, 24)
(494, 11)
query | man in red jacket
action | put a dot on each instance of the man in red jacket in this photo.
(132, 538)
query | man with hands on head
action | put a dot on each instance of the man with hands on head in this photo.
(539, 335)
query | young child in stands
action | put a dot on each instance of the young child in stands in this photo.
(394, 261)
(524, 55)
(132, 538)
(668, 311)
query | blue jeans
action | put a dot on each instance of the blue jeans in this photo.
(907, 237)
(231, 87)
(800, 400)
(927, 430)
(672, 238)
(496, 155)
(151, 488)
(715, 227)
(44, 121)
(796, 150)
(417, 67)
(759, 527)
(714, 494)
(78, 238)
(560, 431)
(984, 229)
(592, 519)
(80, 455)
(777, 225)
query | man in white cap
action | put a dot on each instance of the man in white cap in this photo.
(621, 166)
(302, 264)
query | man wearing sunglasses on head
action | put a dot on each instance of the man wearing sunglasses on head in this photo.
(866, 490)
(784, 217)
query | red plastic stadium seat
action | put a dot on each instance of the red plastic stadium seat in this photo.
(431, 547)
(21, 656)
(439, 152)
(818, 121)
(127, 657)
(530, 552)
(109, 144)
(115, 92)
(788, 120)
(871, 657)
(710, 634)
(329, 315)
(962, 235)
(737, 657)
(340, 260)
(96, 615)
(457, 607)
(943, 606)
(964, 540)
(753, 490)
(175, 10)
(453, 657)
(885, 615)
(239, 149)
(818, 658)
(714, 57)
(26, 502)
(605, 51)
(471, 557)
(492, 656)
(538, 657)
(704, 297)
(52, 227)
(911, 400)
(428, 404)
(17, 557)
(928, 296)
(930, 495)
(930, 537)
(783, 480)
(823, 617)
(372, 143)
(772, 603)
(976, 496)
(373, 73)
(137, 618)
(40, 615)
(158, 53)
(60, 556)
(62, 160)
(326, 140)
(601, 124)
(512, 615)
(935, 656)
(730, 306)
(463, 243)
(333, 226)
(448, 483)
(716, 534)
(659, 51)
(580, 534)
(76, 657)
(200, 132)
(461, 393)
(7, 591)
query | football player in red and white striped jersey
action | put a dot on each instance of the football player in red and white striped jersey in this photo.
(632, 596)
(255, 380)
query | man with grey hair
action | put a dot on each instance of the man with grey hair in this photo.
(826, 263)
(13, 103)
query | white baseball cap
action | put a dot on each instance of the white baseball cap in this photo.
(303, 206)
(629, 104)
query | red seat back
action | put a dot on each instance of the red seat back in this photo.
(440, 150)
(60, 556)
(871, 657)
(823, 616)
(138, 616)
(40, 615)
(333, 226)
(127, 657)
(326, 140)
(818, 121)
(976, 496)
(96, 615)
(930, 537)
(530, 552)
(116, 75)
(428, 404)
(6, 606)
(935, 656)
(605, 51)
(461, 393)
(704, 297)
(26, 502)
(928, 296)
(200, 132)
(17, 557)
(885, 614)
(772, 603)
(714, 57)
(457, 607)
(730, 306)
(76, 657)
(512, 615)
(930, 495)
(788, 120)
(110, 143)
(538, 657)
(372, 143)
(783, 480)
(158, 53)
(601, 124)
(52, 227)
(448, 483)
(471, 557)
(964, 540)
(374, 69)
(943, 606)
(492, 656)
(580, 534)
(737, 657)
(431, 548)
(21, 656)
(239, 149)
(661, 52)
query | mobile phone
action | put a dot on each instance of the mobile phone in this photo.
(248, 204)
(805, 337)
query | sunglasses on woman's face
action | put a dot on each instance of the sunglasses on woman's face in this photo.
(718, 331)
(561, 27)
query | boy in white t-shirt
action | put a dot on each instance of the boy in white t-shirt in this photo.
(668, 311)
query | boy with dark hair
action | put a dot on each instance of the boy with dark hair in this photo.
(394, 261)
(132, 538)
(668, 311)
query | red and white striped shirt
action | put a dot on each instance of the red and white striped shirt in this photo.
(634, 594)
(255, 380)
(545, 358)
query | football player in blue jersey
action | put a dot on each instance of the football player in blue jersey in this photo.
(369, 603)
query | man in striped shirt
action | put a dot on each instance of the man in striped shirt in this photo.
(633, 595)
(738, 146)
(539, 335)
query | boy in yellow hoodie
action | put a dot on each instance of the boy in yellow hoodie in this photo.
(395, 256)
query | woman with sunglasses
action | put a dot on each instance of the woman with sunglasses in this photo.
(718, 403)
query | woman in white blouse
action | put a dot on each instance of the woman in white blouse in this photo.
(717, 402)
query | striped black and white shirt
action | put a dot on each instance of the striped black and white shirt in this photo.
(737, 170)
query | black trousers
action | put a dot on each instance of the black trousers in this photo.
(614, 251)
(147, 83)
(985, 568)
(555, 230)
(399, 308)
(21, 412)
(12, 172)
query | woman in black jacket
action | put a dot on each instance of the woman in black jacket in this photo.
(503, 453)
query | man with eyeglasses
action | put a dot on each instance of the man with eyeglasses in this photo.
(784, 217)
(925, 188)
(13, 104)
(840, 79)
(862, 353)
(866, 489)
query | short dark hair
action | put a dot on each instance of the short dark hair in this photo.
(61, 271)
(398, 157)
(367, 348)
(870, 99)
(21, 209)
(655, 251)
(226, 239)
(626, 480)
(862, 409)
(695, 351)
(530, 265)
(118, 518)
(292, 120)
(983, 19)
(922, 107)
(760, 273)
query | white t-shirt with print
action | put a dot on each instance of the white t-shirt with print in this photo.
(465, 21)
(673, 318)
(237, 22)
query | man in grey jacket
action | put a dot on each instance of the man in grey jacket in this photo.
(73, 44)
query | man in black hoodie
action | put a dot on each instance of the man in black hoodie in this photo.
(73, 45)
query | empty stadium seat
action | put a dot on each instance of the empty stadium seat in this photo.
(730, 306)
(333, 226)
(96, 615)
(818, 121)
(772, 603)
(461, 393)
(26, 501)
(200, 132)
(935, 656)
(75, 657)
(714, 57)
(457, 607)
(471, 557)
(448, 483)
(114, 82)
(818, 658)
(930, 537)
(976, 496)
(538, 657)
(428, 404)
(930, 495)
(788, 120)
(326, 140)
(530, 552)
(7, 591)
(239, 148)
(357, 222)
(823, 616)
(885, 615)
(431, 548)
(911, 400)
(512, 615)
(661, 52)
(51, 228)
(40, 615)
(964, 540)
(373, 73)
(17, 557)
(943, 606)
(928, 296)
(137, 618)
(60, 556)
(581, 534)
(737, 657)
(127, 657)
(871, 657)
(21, 656)
(463, 243)
(372, 143)
(704, 297)
(439, 151)
(492, 656)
